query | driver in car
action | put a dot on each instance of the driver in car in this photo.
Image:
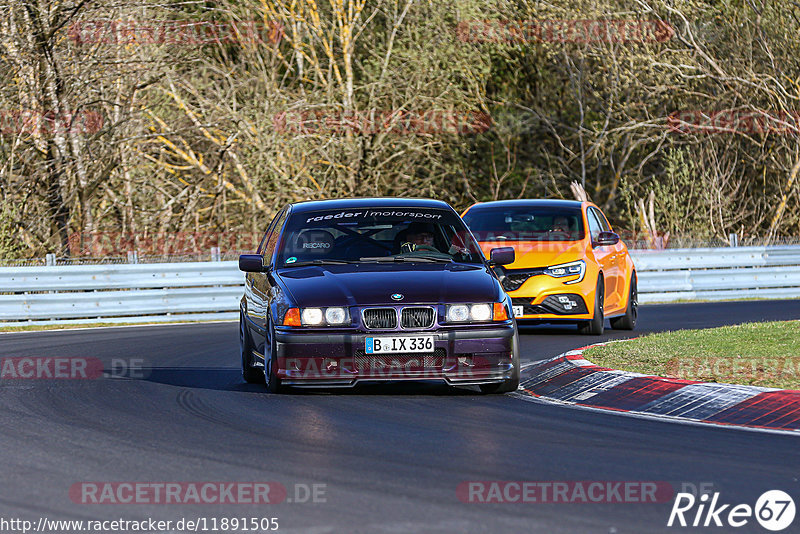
(419, 236)
(560, 225)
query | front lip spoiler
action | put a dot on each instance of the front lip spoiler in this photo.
(352, 383)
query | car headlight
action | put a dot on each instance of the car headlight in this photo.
(458, 313)
(481, 312)
(478, 313)
(324, 316)
(336, 315)
(312, 316)
(574, 268)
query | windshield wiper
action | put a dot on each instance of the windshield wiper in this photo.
(402, 259)
(319, 262)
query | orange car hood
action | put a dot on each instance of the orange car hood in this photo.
(538, 253)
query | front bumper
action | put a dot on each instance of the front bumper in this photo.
(462, 356)
(546, 299)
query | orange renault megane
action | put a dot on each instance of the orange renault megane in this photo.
(570, 266)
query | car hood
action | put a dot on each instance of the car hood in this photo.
(531, 254)
(373, 284)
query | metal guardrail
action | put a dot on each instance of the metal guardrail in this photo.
(168, 292)
(718, 273)
(132, 293)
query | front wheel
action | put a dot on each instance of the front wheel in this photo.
(271, 362)
(511, 384)
(628, 321)
(251, 375)
(594, 327)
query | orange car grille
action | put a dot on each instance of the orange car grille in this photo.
(513, 280)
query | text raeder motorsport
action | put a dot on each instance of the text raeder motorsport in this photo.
(375, 213)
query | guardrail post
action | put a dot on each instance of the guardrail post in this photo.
(133, 256)
(50, 260)
(734, 239)
(215, 255)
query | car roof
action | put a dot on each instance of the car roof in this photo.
(530, 202)
(375, 202)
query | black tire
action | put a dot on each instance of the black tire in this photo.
(270, 362)
(594, 327)
(628, 321)
(512, 384)
(251, 375)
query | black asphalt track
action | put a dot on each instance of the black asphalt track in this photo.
(390, 457)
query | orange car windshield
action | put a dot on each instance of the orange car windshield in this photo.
(525, 224)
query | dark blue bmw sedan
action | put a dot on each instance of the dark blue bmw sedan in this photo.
(375, 289)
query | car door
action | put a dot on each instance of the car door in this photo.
(619, 260)
(258, 285)
(606, 256)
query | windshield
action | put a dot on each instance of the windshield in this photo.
(376, 235)
(525, 223)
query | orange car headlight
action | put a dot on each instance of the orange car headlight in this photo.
(573, 268)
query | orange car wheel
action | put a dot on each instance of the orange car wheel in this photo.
(628, 321)
(594, 327)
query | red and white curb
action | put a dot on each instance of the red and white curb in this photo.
(570, 378)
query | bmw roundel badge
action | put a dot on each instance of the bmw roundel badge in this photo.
(397, 296)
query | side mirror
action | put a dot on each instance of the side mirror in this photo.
(502, 256)
(606, 239)
(251, 263)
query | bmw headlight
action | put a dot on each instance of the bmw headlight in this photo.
(574, 268)
(458, 313)
(312, 316)
(481, 312)
(333, 316)
(336, 315)
(476, 313)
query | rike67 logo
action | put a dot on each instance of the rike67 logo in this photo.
(774, 510)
